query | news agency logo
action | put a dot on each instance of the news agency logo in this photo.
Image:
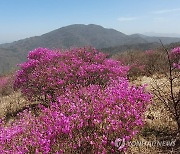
(120, 143)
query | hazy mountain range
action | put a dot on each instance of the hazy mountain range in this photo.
(75, 36)
(162, 34)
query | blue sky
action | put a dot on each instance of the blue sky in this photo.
(24, 18)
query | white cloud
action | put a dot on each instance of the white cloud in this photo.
(166, 11)
(160, 19)
(127, 18)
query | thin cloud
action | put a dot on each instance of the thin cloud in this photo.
(159, 19)
(127, 18)
(166, 11)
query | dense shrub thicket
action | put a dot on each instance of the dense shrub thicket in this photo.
(149, 62)
(89, 104)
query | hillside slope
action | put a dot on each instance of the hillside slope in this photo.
(77, 35)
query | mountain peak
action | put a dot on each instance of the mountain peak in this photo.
(77, 35)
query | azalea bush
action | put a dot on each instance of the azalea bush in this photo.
(46, 73)
(90, 104)
(85, 120)
(174, 56)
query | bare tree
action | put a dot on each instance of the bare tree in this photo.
(171, 96)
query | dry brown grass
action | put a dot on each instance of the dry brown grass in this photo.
(13, 104)
(159, 123)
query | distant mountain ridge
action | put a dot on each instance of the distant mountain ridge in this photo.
(162, 34)
(77, 35)
(153, 39)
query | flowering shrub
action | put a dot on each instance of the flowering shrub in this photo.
(175, 57)
(46, 73)
(90, 104)
(32, 134)
(85, 120)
